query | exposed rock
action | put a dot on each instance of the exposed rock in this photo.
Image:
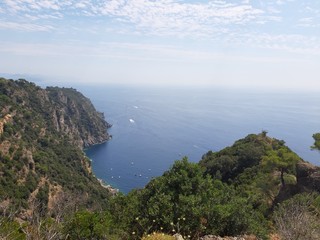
(3, 121)
(111, 189)
(74, 115)
(177, 236)
(244, 237)
(54, 192)
(308, 176)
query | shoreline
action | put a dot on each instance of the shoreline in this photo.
(111, 189)
(98, 143)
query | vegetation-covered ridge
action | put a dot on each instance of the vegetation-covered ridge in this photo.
(257, 187)
(42, 134)
(247, 188)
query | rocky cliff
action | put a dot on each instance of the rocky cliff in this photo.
(308, 176)
(74, 115)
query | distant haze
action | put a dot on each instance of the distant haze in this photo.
(240, 43)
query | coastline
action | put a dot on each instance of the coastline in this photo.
(111, 189)
(105, 185)
(84, 148)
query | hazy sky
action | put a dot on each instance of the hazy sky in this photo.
(271, 43)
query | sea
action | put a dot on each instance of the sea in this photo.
(152, 127)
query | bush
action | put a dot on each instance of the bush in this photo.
(298, 217)
(10, 230)
(89, 225)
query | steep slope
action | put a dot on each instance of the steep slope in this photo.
(74, 114)
(42, 134)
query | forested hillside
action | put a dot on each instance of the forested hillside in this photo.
(42, 165)
(255, 187)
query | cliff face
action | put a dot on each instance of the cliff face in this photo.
(65, 110)
(74, 115)
(308, 176)
(42, 134)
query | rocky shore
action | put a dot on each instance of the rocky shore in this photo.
(111, 189)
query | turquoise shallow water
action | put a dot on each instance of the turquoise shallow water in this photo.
(152, 127)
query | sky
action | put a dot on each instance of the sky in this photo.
(238, 43)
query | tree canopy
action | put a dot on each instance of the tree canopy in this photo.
(316, 138)
(282, 159)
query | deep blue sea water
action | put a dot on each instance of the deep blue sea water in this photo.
(153, 127)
